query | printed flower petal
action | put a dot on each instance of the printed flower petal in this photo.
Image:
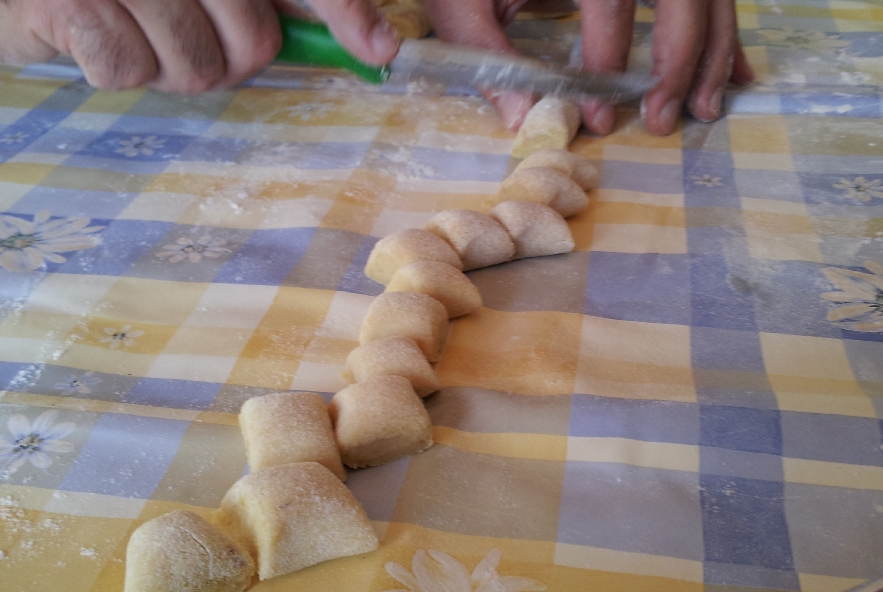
(19, 426)
(42, 216)
(40, 459)
(455, 571)
(836, 296)
(16, 463)
(18, 226)
(838, 278)
(487, 567)
(876, 281)
(517, 584)
(20, 260)
(44, 421)
(402, 575)
(59, 430)
(872, 327)
(874, 268)
(849, 312)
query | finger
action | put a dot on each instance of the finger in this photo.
(716, 63)
(20, 29)
(606, 36)
(678, 37)
(182, 36)
(743, 73)
(477, 23)
(360, 28)
(249, 35)
(106, 42)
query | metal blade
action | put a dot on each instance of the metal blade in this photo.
(466, 66)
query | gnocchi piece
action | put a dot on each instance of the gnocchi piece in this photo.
(407, 246)
(282, 428)
(294, 516)
(551, 123)
(574, 166)
(409, 21)
(445, 283)
(378, 421)
(477, 238)
(546, 186)
(407, 314)
(393, 356)
(535, 229)
(182, 551)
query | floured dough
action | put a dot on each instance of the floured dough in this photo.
(182, 551)
(407, 246)
(378, 421)
(393, 356)
(294, 516)
(445, 283)
(477, 238)
(407, 314)
(551, 123)
(546, 186)
(576, 167)
(282, 428)
(535, 229)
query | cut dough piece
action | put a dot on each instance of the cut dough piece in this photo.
(477, 238)
(379, 421)
(393, 356)
(576, 167)
(407, 246)
(551, 123)
(294, 516)
(407, 314)
(445, 283)
(535, 229)
(182, 551)
(546, 186)
(283, 428)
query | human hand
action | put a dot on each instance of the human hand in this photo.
(184, 46)
(695, 53)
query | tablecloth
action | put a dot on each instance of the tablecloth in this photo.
(691, 400)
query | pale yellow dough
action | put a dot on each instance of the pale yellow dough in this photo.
(477, 238)
(445, 283)
(393, 356)
(546, 186)
(379, 421)
(576, 167)
(282, 428)
(407, 246)
(536, 230)
(294, 516)
(182, 551)
(407, 314)
(551, 123)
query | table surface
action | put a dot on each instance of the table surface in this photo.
(691, 400)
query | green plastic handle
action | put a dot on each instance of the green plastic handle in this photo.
(311, 43)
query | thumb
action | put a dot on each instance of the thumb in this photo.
(360, 28)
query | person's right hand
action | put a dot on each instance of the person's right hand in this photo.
(184, 46)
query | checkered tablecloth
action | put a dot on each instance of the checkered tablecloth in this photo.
(692, 400)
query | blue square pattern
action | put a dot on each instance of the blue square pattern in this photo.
(354, 280)
(216, 150)
(646, 178)
(834, 190)
(19, 134)
(267, 257)
(72, 202)
(708, 179)
(633, 509)
(125, 456)
(722, 298)
(62, 140)
(332, 155)
(15, 376)
(122, 243)
(650, 421)
(16, 287)
(141, 125)
(173, 394)
(741, 428)
(458, 166)
(832, 438)
(136, 147)
(726, 349)
(743, 523)
(639, 287)
(377, 488)
(738, 463)
(832, 104)
(863, 45)
(742, 101)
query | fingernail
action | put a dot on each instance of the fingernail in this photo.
(668, 116)
(603, 120)
(714, 103)
(384, 39)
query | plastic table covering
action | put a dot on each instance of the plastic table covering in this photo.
(691, 400)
